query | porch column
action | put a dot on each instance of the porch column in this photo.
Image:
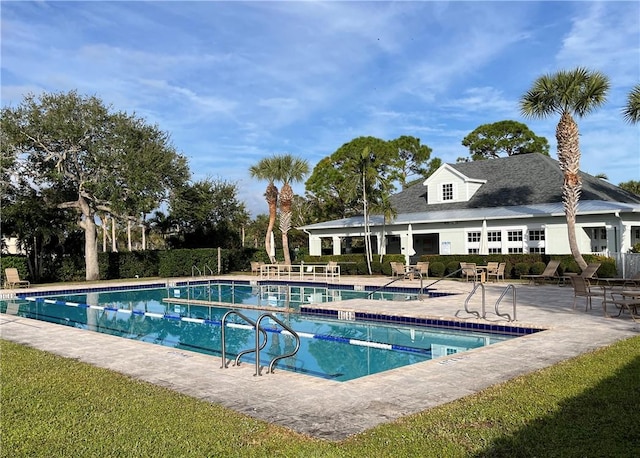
(382, 245)
(336, 245)
(315, 245)
(625, 238)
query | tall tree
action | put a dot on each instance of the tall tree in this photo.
(567, 93)
(412, 160)
(75, 144)
(268, 169)
(631, 111)
(207, 213)
(490, 141)
(332, 188)
(292, 170)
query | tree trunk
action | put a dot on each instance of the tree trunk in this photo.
(567, 136)
(129, 234)
(104, 233)
(286, 197)
(272, 199)
(114, 244)
(87, 223)
(367, 235)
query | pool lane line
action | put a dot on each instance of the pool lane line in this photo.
(166, 316)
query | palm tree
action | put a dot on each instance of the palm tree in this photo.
(576, 92)
(389, 213)
(268, 169)
(368, 176)
(292, 169)
(631, 111)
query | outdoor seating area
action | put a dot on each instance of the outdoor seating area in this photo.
(330, 270)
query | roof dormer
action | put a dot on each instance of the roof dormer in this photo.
(447, 185)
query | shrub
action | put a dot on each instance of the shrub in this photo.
(537, 268)
(437, 269)
(452, 266)
(521, 268)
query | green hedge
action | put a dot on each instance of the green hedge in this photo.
(179, 263)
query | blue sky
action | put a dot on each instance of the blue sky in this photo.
(233, 82)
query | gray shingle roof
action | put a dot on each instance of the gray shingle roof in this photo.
(526, 179)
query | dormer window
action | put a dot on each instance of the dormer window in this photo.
(447, 191)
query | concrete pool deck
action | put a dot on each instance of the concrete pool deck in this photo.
(334, 410)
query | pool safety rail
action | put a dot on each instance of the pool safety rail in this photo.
(260, 331)
(482, 314)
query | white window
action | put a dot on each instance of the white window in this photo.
(473, 251)
(473, 237)
(494, 236)
(536, 235)
(515, 250)
(514, 236)
(447, 191)
(495, 250)
(536, 249)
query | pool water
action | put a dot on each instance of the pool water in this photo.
(331, 349)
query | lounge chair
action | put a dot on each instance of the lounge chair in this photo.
(550, 273)
(12, 279)
(498, 274)
(630, 303)
(469, 269)
(590, 270)
(582, 288)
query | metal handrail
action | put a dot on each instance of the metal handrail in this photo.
(504, 293)
(205, 268)
(277, 358)
(446, 276)
(466, 302)
(193, 269)
(406, 274)
(225, 364)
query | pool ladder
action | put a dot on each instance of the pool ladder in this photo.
(483, 313)
(260, 331)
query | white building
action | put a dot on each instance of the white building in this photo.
(507, 205)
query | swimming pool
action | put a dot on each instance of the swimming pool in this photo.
(336, 349)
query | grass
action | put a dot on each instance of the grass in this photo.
(52, 406)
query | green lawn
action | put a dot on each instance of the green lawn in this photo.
(57, 407)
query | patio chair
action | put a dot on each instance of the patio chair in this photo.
(582, 288)
(498, 274)
(397, 269)
(423, 268)
(12, 279)
(550, 273)
(469, 269)
(492, 267)
(255, 267)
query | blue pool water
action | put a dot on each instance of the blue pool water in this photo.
(334, 349)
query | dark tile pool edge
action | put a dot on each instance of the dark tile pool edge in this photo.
(414, 321)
